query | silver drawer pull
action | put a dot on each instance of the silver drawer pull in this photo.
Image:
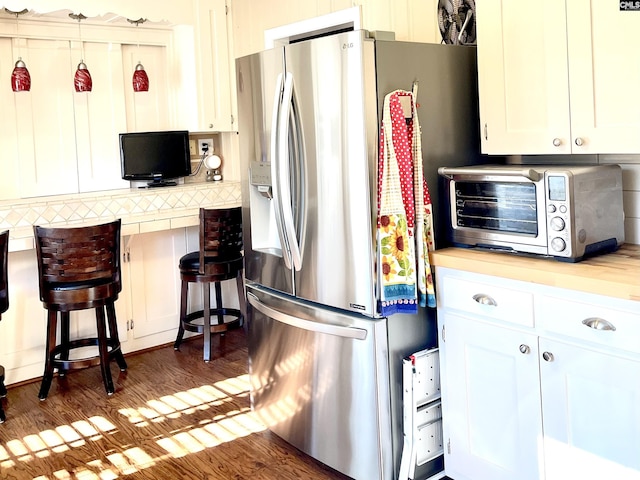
(484, 299)
(598, 324)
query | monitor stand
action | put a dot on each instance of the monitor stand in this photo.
(159, 183)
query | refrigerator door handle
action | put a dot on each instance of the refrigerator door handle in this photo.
(285, 174)
(274, 172)
(337, 330)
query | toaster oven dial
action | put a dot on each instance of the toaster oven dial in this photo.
(557, 224)
(558, 244)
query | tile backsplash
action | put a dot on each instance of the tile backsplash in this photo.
(131, 205)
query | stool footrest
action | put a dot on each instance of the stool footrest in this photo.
(213, 314)
(78, 363)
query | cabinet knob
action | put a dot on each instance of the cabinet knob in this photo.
(598, 324)
(211, 125)
(548, 356)
(579, 142)
(484, 299)
(557, 142)
(525, 349)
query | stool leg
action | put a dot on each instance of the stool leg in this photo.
(104, 352)
(183, 313)
(219, 306)
(3, 393)
(52, 323)
(206, 318)
(3, 388)
(64, 339)
(115, 338)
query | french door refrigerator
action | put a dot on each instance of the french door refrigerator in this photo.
(325, 366)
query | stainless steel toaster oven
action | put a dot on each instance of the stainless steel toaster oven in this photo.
(567, 212)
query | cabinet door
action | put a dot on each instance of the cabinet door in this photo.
(9, 158)
(23, 328)
(523, 76)
(148, 111)
(604, 75)
(490, 400)
(45, 121)
(100, 118)
(216, 67)
(591, 419)
(155, 286)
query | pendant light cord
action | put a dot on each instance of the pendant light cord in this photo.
(17, 14)
(79, 17)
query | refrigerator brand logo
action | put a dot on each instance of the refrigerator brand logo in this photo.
(350, 45)
(356, 306)
(626, 5)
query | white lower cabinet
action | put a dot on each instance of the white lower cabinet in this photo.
(555, 398)
(591, 405)
(154, 283)
(491, 403)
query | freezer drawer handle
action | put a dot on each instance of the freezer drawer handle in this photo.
(338, 330)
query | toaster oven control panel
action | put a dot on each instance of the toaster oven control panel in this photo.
(558, 221)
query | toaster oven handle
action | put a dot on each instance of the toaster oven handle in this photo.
(457, 172)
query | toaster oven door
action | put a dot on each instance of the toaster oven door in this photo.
(507, 212)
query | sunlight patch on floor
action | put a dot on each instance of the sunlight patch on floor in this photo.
(209, 433)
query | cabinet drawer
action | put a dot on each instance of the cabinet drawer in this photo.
(598, 324)
(483, 295)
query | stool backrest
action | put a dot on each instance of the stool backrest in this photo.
(220, 235)
(4, 284)
(88, 255)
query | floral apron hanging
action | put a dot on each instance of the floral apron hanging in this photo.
(405, 225)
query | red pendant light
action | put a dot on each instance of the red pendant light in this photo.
(140, 79)
(20, 78)
(82, 79)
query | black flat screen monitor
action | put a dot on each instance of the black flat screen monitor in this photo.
(156, 157)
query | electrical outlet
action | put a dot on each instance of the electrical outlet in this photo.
(202, 142)
(192, 148)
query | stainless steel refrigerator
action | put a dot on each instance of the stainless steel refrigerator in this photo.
(325, 367)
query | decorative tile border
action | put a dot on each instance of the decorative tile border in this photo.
(143, 204)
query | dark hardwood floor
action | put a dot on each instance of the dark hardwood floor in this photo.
(172, 417)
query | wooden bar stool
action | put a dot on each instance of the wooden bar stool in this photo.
(79, 268)
(219, 258)
(4, 304)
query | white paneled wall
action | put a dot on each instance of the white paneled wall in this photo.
(411, 20)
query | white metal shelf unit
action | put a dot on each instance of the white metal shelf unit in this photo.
(423, 451)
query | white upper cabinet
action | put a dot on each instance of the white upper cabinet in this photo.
(215, 67)
(57, 141)
(99, 118)
(152, 110)
(45, 121)
(552, 77)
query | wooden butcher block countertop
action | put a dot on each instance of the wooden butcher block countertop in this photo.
(615, 274)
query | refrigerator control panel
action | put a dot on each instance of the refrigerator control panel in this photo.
(260, 173)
